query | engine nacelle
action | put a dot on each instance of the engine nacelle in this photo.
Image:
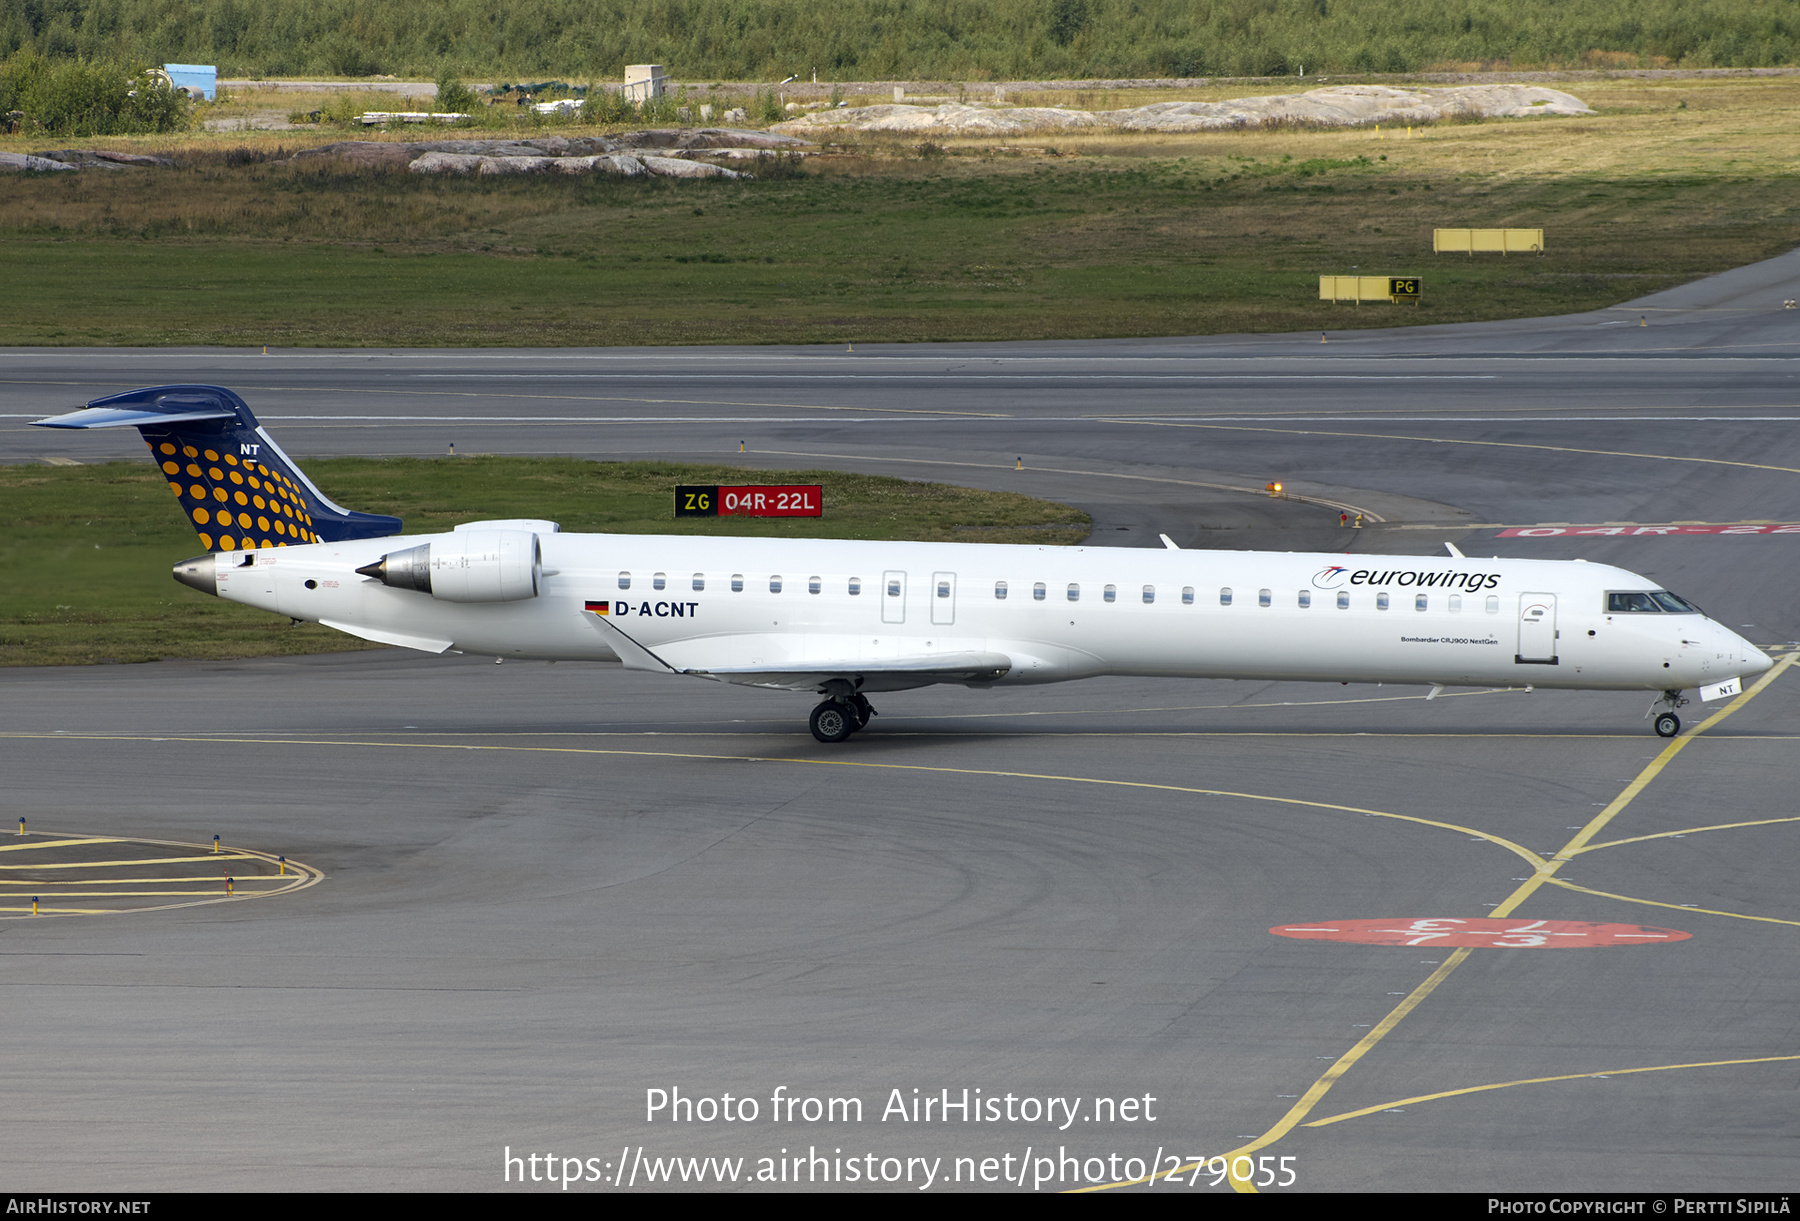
(469, 566)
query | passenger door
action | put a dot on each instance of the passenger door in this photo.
(1537, 630)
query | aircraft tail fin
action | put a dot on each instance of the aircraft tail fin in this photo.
(237, 486)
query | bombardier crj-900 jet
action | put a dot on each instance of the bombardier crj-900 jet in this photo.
(845, 620)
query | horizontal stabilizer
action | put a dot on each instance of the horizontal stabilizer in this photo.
(133, 417)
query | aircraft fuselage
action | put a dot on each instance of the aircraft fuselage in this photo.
(712, 605)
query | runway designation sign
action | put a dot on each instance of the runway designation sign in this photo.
(750, 500)
(1481, 933)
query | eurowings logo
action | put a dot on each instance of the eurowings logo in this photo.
(1330, 578)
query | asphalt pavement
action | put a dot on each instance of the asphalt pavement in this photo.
(555, 901)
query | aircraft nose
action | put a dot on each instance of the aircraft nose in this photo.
(1754, 660)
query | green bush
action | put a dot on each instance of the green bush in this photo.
(664, 109)
(607, 106)
(77, 97)
(452, 95)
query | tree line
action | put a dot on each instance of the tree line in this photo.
(765, 40)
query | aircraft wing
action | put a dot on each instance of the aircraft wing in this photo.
(811, 674)
(887, 674)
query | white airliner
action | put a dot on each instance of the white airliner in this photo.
(847, 619)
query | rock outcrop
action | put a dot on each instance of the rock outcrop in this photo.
(78, 159)
(1334, 106)
(25, 161)
(672, 153)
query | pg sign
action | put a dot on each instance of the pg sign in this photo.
(750, 500)
(1371, 288)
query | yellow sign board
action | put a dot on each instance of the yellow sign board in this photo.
(1370, 288)
(1487, 241)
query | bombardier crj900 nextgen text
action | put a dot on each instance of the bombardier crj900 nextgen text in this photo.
(845, 620)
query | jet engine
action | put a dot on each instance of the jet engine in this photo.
(468, 566)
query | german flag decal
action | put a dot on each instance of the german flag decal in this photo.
(599, 608)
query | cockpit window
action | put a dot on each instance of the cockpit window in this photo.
(1650, 600)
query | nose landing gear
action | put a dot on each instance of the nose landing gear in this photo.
(1667, 723)
(837, 718)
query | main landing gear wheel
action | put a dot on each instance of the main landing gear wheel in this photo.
(860, 705)
(832, 722)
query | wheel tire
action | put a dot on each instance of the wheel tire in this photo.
(863, 712)
(831, 722)
(1667, 725)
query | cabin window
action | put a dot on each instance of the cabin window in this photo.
(1381, 600)
(1187, 595)
(999, 591)
(1110, 594)
(1074, 592)
(774, 585)
(814, 585)
(1149, 594)
(1037, 592)
(1264, 597)
(660, 581)
(1305, 598)
(855, 586)
(737, 582)
(699, 582)
(943, 589)
(624, 580)
(893, 587)
(1493, 604)
(1455, 603)
(1225, 596)
(1421, 601)
(1343, 599)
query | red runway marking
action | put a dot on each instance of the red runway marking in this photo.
(1480, 932)
(1642, 531)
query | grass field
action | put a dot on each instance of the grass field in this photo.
(86, 555)
(1059, 237)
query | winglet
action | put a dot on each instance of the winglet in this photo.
(1451, 548)
(1168, 542)
(634, 655)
